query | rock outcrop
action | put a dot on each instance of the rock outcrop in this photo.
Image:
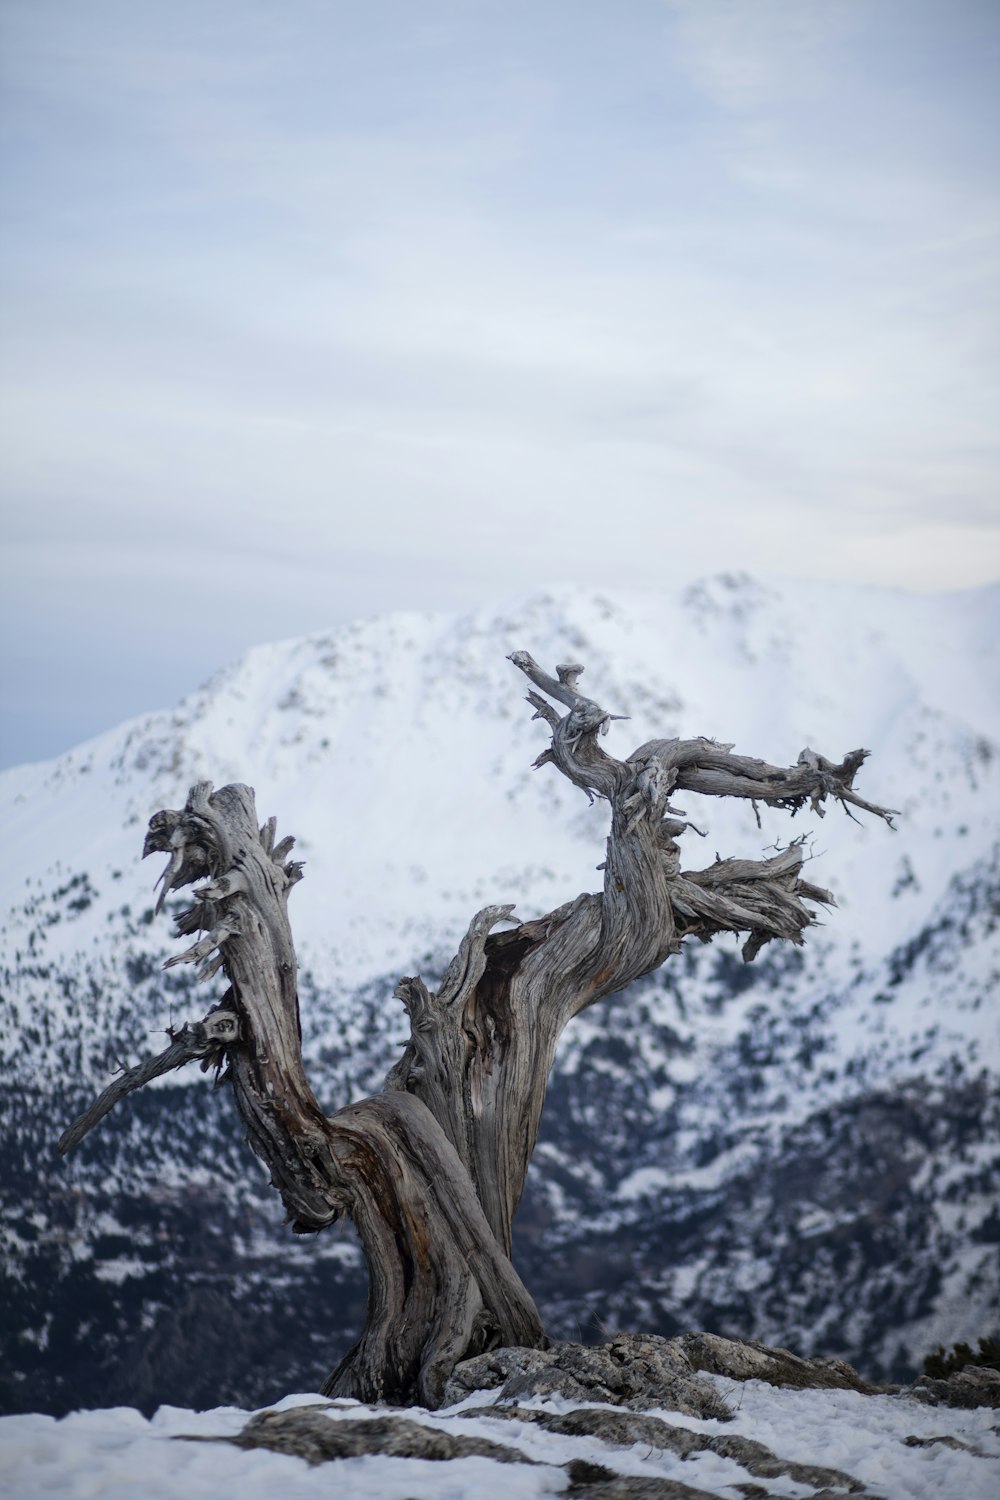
(624, 1388)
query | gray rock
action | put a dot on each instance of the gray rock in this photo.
(307, 1432)
(634, 1370)
(749, 1361)
(626, 1428)
(621, 1428)
(974, 1385)
(623, 1487)
(628, 1375)
(946, 1440)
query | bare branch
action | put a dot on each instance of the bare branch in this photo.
(562, 689)
(199, 1039)
(712, 769)
(574, 748)
(762, 897)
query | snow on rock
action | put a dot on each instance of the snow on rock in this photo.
(777, 1442)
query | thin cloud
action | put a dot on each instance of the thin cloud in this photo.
(491, 294)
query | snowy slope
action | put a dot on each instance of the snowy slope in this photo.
(803, 1150)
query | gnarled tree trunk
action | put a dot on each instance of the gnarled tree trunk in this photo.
(432, 1169)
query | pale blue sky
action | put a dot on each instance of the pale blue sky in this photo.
(318, 309)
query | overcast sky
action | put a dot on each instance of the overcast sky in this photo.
(326, 307)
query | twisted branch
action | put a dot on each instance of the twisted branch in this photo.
(432, 1168)
(205, 1039)
(762, 898)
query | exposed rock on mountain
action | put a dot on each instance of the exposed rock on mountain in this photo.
(652, 1379)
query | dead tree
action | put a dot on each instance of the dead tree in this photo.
(431, 1169)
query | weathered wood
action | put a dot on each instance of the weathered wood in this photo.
(439, 1281)
(205, 1039)
(432, 1169)
(481, 1062)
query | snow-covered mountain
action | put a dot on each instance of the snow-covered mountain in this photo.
(803, 1150)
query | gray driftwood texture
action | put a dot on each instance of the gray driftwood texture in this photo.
(431, 1170)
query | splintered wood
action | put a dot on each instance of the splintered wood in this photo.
(432, 1168)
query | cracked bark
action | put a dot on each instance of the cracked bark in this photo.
(432, 1168)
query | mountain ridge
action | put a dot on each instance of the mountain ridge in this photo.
(397, 750)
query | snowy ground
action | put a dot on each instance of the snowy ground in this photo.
(116, 1453)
